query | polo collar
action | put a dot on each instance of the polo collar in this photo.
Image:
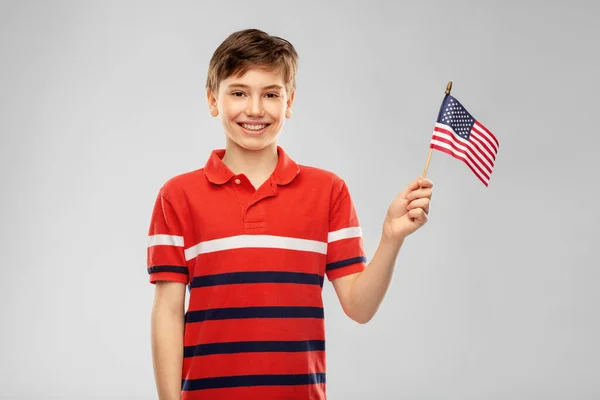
(218, 173)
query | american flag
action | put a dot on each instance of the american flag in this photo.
(460, 135)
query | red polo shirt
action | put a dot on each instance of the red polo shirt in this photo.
(255, 262)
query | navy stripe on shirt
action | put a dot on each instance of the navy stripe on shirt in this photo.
(254, 312)
(343, 263)
(257, 277)
(168, 268)
(254, 347)
(252, 380)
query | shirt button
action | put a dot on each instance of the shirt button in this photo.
(237, 181)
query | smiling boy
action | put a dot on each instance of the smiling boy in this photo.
(253, 235)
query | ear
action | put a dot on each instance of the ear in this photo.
(290, 102)
(212, 103)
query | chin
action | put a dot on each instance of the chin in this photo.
(253, 144)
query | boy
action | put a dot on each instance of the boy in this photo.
(253, 235)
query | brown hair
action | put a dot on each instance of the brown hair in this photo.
(249, 48)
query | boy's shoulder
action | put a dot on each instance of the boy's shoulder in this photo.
(313, 172)
(179, 184)
(323, 178)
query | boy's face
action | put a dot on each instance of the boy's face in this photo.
(252, 107)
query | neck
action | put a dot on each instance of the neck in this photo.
(250, 162)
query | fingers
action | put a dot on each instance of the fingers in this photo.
(409, 188)
(418, 215)
(420, 197)
(419, 193)
(419, 203)
(418, 183)
(425, 183)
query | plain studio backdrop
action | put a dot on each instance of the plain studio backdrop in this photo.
(495, 298)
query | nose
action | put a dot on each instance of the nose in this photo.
(254, 107)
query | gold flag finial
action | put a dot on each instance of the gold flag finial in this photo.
(449, 87)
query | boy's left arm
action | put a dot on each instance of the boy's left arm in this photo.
(360, 294)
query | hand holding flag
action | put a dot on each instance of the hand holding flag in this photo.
(409, 210)
(459, 134)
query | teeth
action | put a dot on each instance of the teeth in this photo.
(254, 127)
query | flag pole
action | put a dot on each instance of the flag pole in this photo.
(448, 89)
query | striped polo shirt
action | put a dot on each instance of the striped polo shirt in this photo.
(254, 261)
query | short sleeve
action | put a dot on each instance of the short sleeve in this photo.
(166, 257)
(345, 249)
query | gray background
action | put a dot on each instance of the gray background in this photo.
(495, 298)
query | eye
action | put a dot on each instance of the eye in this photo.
(237, 94)
(272, 95)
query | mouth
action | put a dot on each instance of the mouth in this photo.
(253, 128)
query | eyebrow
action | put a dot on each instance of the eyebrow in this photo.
(239, 85)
